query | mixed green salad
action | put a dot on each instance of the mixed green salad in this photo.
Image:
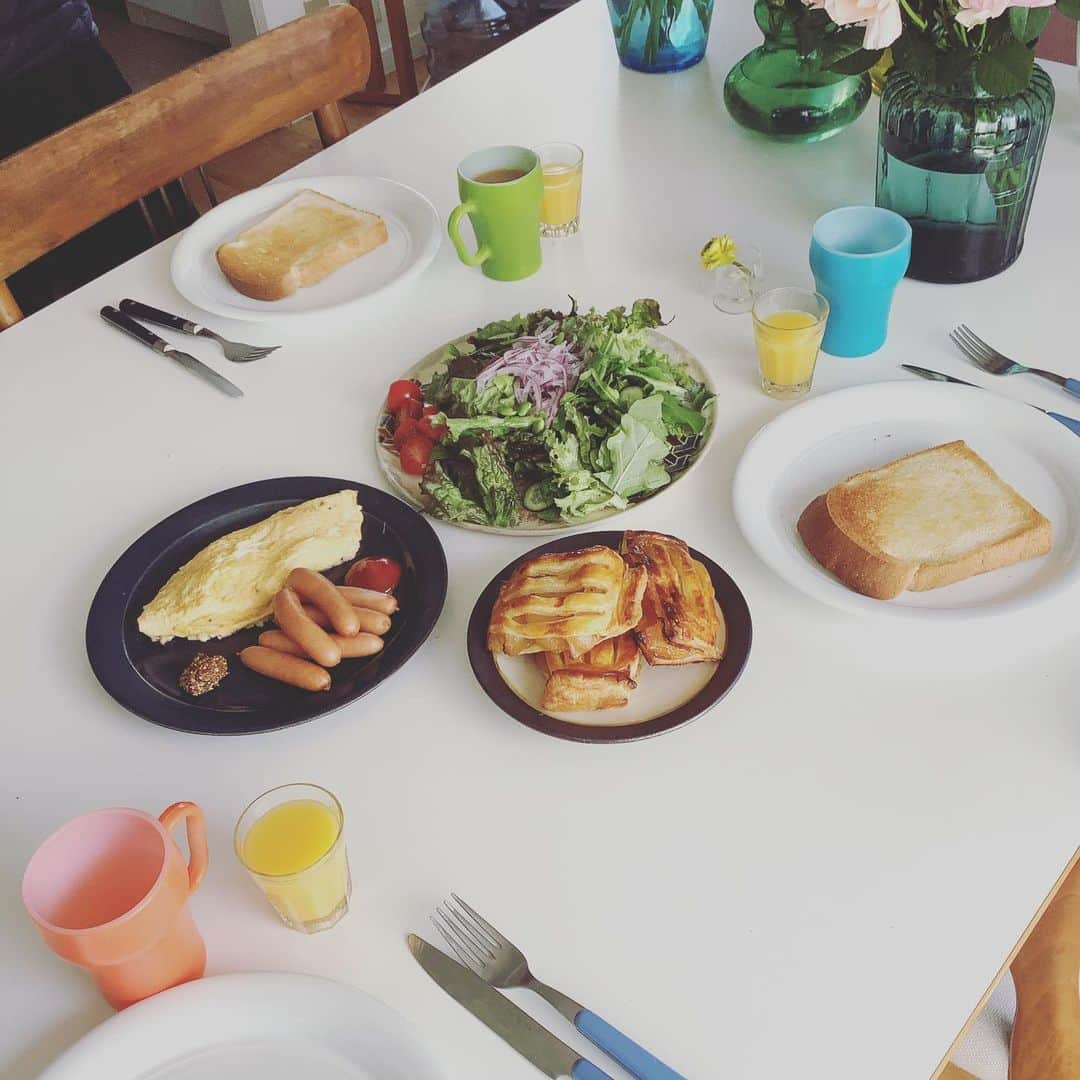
(560, 414)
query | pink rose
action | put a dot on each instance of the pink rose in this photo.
(974, 12)
(880, 17)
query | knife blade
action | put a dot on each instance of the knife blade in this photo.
(513, 1025)
(126, 323)
(939, 376)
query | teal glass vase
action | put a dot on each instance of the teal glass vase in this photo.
(961, 165)
(779, 93)
(658, 36)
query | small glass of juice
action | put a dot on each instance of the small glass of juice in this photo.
(788, 327)
(291, 840)
(560, 210)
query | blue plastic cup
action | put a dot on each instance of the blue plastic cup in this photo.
(858, 255)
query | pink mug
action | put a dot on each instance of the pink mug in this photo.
(109, 892)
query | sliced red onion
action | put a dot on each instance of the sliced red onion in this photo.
(543, 371)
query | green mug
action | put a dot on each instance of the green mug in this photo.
(501, 189)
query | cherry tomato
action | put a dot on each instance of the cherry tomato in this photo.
(431, 410)
(405, 428)
(401, 391)
(431, 431)
(380, 574)
(415, 454)
(410, 410)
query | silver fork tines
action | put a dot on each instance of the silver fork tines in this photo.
(986, 357)
(236, 351)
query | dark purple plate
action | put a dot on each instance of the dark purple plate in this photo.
(142, 675)
(726, 673)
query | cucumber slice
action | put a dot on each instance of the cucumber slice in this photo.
(538, 496)
(629, 394)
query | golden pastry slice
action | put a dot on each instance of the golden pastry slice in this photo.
(681, 623)
(565, 601)
(601, 679)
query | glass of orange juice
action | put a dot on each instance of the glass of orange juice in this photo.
(560, 210)
(291, 841)
(788, 327)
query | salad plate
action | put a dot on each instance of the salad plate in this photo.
(580, 415)
(143, 675)
(665, 698)
(274, 1026)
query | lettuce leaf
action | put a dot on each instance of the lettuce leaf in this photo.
(637, 450)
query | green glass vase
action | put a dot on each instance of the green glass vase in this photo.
(779, 93)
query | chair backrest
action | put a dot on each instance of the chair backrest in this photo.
(58, 187)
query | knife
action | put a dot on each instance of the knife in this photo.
(148, 337)
(938, 376)
(513, 1025)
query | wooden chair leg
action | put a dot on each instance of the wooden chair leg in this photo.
(375, 92)
(399, 39)
(331, 123)
(10, 313)
(376, 83)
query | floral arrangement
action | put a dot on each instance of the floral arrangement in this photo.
(938, 41)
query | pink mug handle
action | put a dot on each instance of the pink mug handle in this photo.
(196, 837)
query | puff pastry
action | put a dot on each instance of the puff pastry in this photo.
(681, 622)
(601, 679)
(566, 602)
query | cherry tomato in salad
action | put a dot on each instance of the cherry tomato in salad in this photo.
(434, 432)
(410, 410)
(380, 574)
(402, 390)
(415, 454)
(405, 428)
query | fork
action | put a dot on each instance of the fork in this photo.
(482, 948)
(994, 363)
(235, 351)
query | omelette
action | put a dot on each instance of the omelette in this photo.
(231, 583)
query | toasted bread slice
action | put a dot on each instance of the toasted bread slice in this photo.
(680, 622)
(923, 521)
(299, 244)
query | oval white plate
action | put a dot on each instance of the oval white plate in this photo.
(412, 225)
(823, 441)
(239, 1027)
(408, 487)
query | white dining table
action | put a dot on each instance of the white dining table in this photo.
(818, 878)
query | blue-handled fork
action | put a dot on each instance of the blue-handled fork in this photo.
(993, 362)
(482, 948)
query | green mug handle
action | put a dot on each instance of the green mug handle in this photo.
(483, 252)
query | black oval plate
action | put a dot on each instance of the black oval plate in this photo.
(142, 675)
(739, 635)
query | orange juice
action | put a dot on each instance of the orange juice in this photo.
(787, 347)
(562, 195)
(295, 851)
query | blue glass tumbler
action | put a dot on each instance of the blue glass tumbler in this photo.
(858, 255)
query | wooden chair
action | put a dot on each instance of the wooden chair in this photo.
(58, 187)
(375, 92)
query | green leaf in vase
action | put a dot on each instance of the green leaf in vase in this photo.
(1006, 69)
(1069, 8)
(1028, 23)
(855, 63)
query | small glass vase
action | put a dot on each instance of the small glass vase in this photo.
(658, 36)
(961, 166)
(779, 93)
(738, 284)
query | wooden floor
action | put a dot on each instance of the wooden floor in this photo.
(147, 56)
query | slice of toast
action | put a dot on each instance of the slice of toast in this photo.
(297, 245)
(923, 521)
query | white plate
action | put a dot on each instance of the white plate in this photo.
(243, 1027)
(412, 225)
(407, 487)
(824, 440)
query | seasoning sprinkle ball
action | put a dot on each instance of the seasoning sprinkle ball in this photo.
(203, 674)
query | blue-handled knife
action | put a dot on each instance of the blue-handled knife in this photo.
(513, 1025)
(939, 376)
